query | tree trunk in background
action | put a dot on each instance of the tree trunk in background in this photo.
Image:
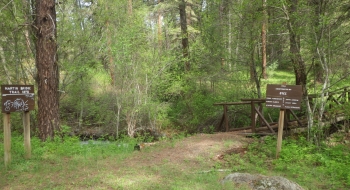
(263, 40)
(48, 73)
(160, 27)
(3, 60)
(184, 34)
(129, 7)
(319, 7)
(111, 64)
(294, 40)
(27, 13)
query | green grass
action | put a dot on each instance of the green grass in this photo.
(310, 166)
(279, 77)
(72, 165)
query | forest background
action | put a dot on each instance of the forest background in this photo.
(126, 66)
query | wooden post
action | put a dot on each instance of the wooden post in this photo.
(226, 117)
(26, 125)
(252, 106)
(261, 111)
(286, 118)
(7, 138)
(280, 132)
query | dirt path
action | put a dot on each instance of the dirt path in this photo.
(192, 151)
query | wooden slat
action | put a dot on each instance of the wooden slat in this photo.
(231, 103)
(267, 123)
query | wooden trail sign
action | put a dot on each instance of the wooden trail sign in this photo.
(16, 98)
(284, 97)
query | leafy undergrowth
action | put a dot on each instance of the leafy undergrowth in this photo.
(72, 164)
(310, 166)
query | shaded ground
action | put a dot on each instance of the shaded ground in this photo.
(193, 151)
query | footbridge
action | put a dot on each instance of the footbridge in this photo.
(260, 124)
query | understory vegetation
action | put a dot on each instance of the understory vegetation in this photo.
(313, 167)
(109, 74)
(69, 163)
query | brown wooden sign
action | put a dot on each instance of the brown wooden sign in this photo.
(283, 96)
(16, 98)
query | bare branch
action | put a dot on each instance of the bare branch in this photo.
(5, 6)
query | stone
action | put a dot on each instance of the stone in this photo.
(261, 182)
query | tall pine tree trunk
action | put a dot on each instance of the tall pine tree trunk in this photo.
(294, 40)
(47, 66)
(184, 34)
(263, 40)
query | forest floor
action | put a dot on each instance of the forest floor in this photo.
(194, 162)
(199, 161)
(172, 162)
(187, 152)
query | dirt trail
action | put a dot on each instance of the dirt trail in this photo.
(193, 150)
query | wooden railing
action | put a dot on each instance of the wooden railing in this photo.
(339, 96)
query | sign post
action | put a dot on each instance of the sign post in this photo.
(283, 97)
(7, 139)
(26, 131)
(280, 132)
(16, 98)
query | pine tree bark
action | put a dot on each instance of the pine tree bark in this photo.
(263, 40)
(295, 53)
(47, 66)
(184, 34)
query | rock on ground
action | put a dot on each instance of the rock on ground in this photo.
(261, 182)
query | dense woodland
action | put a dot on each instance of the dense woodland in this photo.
(114, 67)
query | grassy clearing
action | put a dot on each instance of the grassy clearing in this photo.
(114, 165)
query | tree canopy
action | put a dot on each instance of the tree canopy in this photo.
(123, 65)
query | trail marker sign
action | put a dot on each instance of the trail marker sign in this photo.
(17, 98)
(283, 96)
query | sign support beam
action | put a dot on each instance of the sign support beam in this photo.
(280, 132)
(7, 139)
(26, 125)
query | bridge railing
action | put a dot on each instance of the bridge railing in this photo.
(339, 96)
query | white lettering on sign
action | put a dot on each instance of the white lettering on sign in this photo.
(283, 93)
(277, 98)
(16, 90)
(19, 105)
(285, 89)
(11, 88)
(25, 88)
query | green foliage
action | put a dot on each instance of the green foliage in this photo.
(68, 148)
(298, 159)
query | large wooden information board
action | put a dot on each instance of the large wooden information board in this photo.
(17, 98)
(283, 96)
